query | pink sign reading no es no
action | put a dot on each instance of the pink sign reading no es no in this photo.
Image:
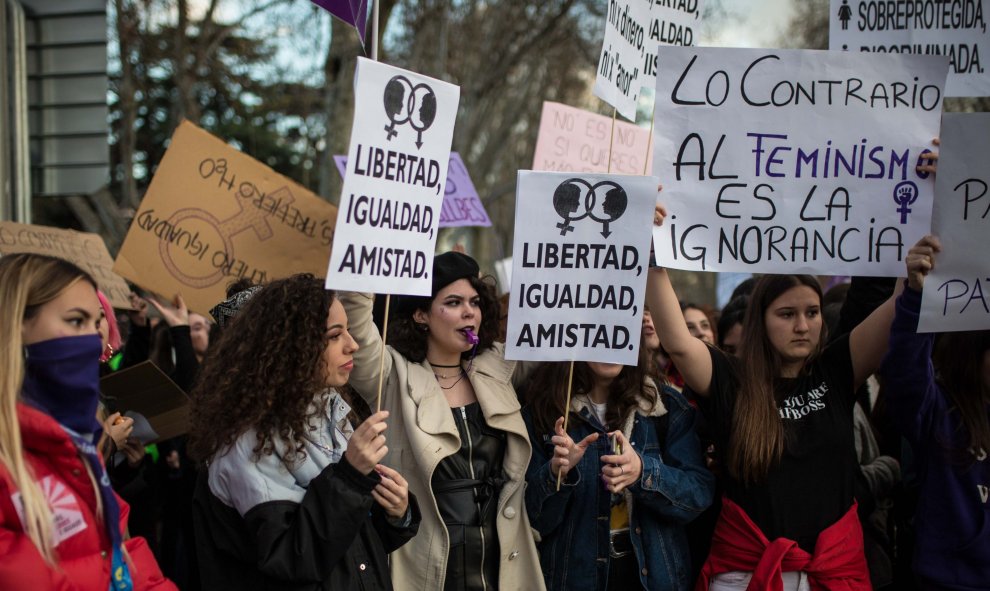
(461, 204)
(573, 140)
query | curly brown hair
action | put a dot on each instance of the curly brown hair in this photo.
(409, 339)
(265, 371)
(546, 391)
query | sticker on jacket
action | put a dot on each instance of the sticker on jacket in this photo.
(64, 505)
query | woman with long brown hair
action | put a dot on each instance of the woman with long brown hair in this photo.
(937, 391)
(782, 416)
(294, 496)
(61, 525)
(630, 456)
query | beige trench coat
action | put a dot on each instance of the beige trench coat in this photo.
(421, 432)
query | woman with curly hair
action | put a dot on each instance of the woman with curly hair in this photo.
(61, 525)
(293, 496)
(457, 433)
(631, 457)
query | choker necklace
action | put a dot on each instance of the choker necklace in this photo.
(457, 381)
(445, 366)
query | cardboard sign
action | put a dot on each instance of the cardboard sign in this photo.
(213, 215)
(461, 204)
(957, 291)
(580, 257)
(786, 161)
(957, 30)
(573, 140)
(628, 61)
(146, 390)
(84, 249)
(393, 192)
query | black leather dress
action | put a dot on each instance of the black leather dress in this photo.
(466, 486)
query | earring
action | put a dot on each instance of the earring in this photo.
(423, 327)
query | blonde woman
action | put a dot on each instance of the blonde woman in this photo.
(61, 526)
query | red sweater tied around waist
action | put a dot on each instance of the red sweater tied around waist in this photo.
(839, 562)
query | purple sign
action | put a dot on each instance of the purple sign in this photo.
(461, 204)
(352, 12)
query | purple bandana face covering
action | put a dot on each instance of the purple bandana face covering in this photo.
(62, 378)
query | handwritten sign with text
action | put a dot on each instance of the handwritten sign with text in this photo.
(461, 204)
(85, 250)
(955, 29)
(573, 140)
(957, 291)
(393, 191)
(580, 257)
(787, 161)
(628, 60)
(213, 215)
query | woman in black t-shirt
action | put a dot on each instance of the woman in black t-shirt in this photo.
(782, 416)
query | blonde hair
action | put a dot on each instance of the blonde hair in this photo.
(27, 281)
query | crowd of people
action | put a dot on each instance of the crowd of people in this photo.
(794, 440)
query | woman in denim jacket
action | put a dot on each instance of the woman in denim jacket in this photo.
(632, 475)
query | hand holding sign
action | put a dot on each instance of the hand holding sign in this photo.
(920, 261)
(567, 453)
(175, 315)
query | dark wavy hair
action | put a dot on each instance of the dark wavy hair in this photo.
(958, 359)
(546, 391)
(756, 442)
(408, 338)
(265, 371)
(732, 314)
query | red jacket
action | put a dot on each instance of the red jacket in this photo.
(82, 544)
(839, 562)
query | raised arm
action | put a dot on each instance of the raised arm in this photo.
(868, 342)
(869, 339)
(688, 353)
(368, 357)
(911, 394)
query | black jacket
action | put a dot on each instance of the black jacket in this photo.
(336, 538)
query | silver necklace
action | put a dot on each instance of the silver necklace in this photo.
(457, 381)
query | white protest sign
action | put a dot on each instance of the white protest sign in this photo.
(394, 187)
(956, 29)
(787, 161)
(628, 60)
(580, 257)
(957, 291)
(503, 274)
